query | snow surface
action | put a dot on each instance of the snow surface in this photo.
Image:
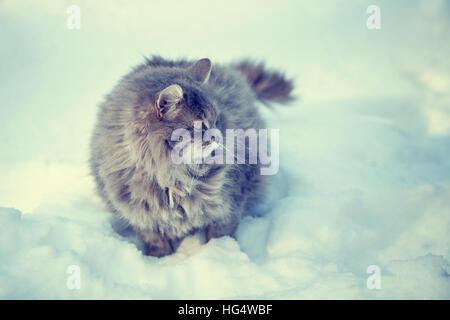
(364, 152)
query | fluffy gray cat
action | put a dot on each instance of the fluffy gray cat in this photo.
(131, 147)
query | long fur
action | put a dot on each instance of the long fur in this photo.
(130, 157)
(269, 85)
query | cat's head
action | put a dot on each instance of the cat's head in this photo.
(184, 100)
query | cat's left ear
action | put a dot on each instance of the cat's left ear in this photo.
(202, 70)
(168, 98)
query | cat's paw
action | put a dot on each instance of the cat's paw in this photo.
(158, 249)
(192, 243)
(156, 245)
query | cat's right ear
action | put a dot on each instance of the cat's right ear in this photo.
(168, 98)
(202, 70)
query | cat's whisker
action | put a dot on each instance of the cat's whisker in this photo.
(194, 176)
(179, 192)
(171, 203)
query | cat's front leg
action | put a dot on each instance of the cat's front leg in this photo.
(155, 244)
(220, 229)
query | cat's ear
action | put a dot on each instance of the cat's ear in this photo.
(202, 69)
(167, 98)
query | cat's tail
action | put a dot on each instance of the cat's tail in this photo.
(269, 85)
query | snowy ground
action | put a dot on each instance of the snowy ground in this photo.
(365, 151)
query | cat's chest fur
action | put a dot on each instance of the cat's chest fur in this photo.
(178, 209)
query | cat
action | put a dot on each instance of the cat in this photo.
(131, 145)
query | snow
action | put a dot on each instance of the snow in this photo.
(364, 153)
